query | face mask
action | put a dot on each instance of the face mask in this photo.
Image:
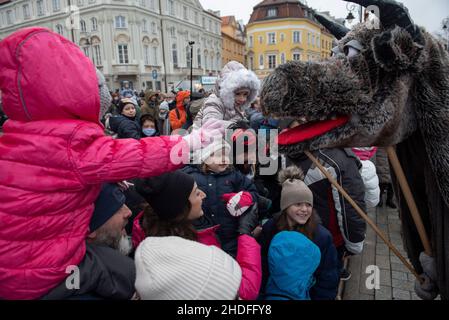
(149, 132)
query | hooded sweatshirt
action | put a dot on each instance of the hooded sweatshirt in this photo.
(221, 106)
(178, 116)
(54, 157)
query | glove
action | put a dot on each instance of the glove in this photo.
(238, 203)
(210, 131)
(428, 290)
(248, 222)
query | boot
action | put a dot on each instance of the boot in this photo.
(390, 197)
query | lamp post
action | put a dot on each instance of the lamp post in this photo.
(191, 43)
(351, 7)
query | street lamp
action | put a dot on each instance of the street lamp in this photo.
(351, 7)
(191, 43)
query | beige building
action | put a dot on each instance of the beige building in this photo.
(144, 42)
(233, 40)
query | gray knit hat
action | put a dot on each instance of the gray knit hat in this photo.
(294, 190)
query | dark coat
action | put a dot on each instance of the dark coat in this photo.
(330, 205)
(382, 166)
(327, 274)
(125, 127)
(215, 185)
(104, 273)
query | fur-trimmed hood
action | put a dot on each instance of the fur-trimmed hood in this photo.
(235, 76)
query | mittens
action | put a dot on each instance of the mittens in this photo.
(238, 203)
(200, 138)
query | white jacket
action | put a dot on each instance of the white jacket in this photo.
(371, 182)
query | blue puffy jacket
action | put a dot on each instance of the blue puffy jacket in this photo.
(292, 260)
(215, 185)
(327, 273)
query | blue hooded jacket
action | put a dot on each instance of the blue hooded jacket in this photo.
(292, 260)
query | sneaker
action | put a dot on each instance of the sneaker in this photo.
(345, 275)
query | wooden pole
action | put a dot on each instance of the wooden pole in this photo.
(363, 215)
(409, 199)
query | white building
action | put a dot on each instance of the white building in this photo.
(145, 42)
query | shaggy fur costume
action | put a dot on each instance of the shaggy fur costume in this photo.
(395, 92)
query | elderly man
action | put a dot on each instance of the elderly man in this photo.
(105, 272)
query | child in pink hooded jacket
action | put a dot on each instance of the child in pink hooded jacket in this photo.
(54, 157)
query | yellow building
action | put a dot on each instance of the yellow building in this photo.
(283, 30)
(233, 41)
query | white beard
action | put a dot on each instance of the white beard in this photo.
(125, 245)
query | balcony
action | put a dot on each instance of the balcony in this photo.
(125, 69)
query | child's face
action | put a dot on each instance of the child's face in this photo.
(186, 101)
(241, 97)
(148, 124)
(129, 110)
(299, 213)
(218, 161)
(196, 201)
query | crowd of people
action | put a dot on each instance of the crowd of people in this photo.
(91, 183)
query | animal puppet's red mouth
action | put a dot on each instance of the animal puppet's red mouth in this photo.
(310, 130)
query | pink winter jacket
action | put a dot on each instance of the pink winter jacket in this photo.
(248, 256)
(54, 157)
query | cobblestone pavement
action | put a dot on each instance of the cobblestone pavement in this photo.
(396, 281)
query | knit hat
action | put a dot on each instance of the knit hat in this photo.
(173, 268)
(292, 261)
(124, 102)
(202, 154)
(294, 190)
(109, 201)
(167, 194)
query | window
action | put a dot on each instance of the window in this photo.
(308, 39)
(153, 27)
(94, 24)
(204, 22)
(120, 22)
(172, 32)
(250, 42)
(296, 56)
(144, 25)
(83, 26)
(40, 7)
(171, 7)
(9, 17)
(210, 25)
(272, 38)
(282, 37)
(260, 39)
(313, 40)
(199, 57)
(56, 5)
(80, 2)
(185, 13)
(218, 62)
(174, 55)
(26, 11)
(197, 21)
(206, 61)
(271, 61)
(261, 60)
(97, 55)
(123, 54)
(146, 54)
(86, 51)
(152, 6)
(272, 12)
(282, 58)
(251, 63)
(296, 36)
(59, 29)
(318, 41)
(154, 56)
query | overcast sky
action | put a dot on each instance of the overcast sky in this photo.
(425, 13)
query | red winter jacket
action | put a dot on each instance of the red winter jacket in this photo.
(248, 256)
(54, 157)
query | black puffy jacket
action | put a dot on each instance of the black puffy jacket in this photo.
(125, 127)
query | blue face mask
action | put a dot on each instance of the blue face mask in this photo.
(149, 132)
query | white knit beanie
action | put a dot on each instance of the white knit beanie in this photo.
(202, 154)
(173, 268)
